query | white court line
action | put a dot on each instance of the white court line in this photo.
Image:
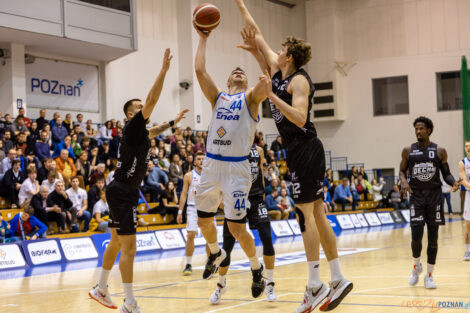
(242, 304)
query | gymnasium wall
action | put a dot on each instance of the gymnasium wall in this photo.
(388, 38)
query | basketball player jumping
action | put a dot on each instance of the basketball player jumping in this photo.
(226, 173)
(123, 192)
(258, 218)
(190, 181)
(291, 96)
(464, 173)
(423, 161)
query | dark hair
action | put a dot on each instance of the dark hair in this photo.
(128, 104)
(198, 153)
(299, 49)
(100, 177)
(75, 177)
(14, 162)
(20, 117)
(426, 121)
(27, 208)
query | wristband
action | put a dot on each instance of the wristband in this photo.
(172, 122)
(180, 212)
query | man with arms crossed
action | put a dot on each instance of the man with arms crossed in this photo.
(291, 97)
(123, 192)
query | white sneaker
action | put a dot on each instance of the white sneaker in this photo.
(102, 297)
(338, 290)
(270, 294)
(216, 296)
(429, 282)
(130, 308)
(312, 297)
(466, 256)
(413, 280)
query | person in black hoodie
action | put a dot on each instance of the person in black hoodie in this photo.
(12, 182)
(44, 213)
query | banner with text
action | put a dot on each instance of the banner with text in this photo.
(11, 257)
(78, 249)
(42, 251)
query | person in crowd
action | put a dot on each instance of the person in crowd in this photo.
(44, 170)
(2, 154)
(100, 214)
(47, 129)
(169, 200)
(21, 142)
(27, 121)
(329, 204)
(273, 185)
(60, 198)
(446, 190)
(269, 176)
(98, 172)
(65, 166)
(361, 187)
(7, 162)
(5, 232)
(163, 162)
(274, 208)
(80, 121)
(54, 122)
(362, 172)
(105, 133)
(44, 213)
(66, 144)
(287, 204)
(12, 182)
(94, 192)
(41, 120)
(343, 195)
(59, 132)
(85, 144)
(34, 135)
(68, 123)
(29, 187)
(156, 178)
(188, 163)
(76, 148)
(395, 198)
(77, 130)
(18, 126)
(175, 174)
(42, 147)
(151, 185)
(25, 226)
(278, 148)
(377, 189)
(94, 159)
(353, 173)
(83, 167)
(270, 156)
(52, 179)
(103, 154)
(8, 143)
(79, 198)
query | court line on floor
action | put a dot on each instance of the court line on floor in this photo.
(242, 304)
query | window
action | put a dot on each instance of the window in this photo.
(266, 109)
(390, 95)
(449, 91)
(122, 5)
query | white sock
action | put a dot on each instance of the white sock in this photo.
(314, 274)
(430, 269)
(467, 247)
(129, 292)
(103, 279)
(335, 270)
(415, 262)
(269, 275)
(255, 265)
(222, 280)
(189, 259)
(214, 247)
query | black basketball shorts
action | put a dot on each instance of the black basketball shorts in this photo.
(257, 213)
(306, 162)
(425, 207)
(122, 200)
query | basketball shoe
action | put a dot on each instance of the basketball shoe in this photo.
(188, 270)
(130, 308)
(338, 290)
(312, 298)
(270, 294)
(213, 262)
(415, 274)
(258, 284)
(102, 297)
(466, 256)
(429, 282)
(217, 294)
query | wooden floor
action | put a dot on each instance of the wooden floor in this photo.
(380, 281)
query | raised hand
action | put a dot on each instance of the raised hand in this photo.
(204, 34)
(166, 60)
(180, 116)
(266, 83)
(249, 39)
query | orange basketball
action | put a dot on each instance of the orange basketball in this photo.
(206, 16)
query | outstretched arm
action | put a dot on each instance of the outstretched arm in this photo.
(249, 22)
(154, 93)
(209, 88)
(157, 130)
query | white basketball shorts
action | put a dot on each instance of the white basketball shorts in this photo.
(466, 207)
(191, 218)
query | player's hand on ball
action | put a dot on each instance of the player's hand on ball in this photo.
(179, 219)
(249, 40)
(203, 34)
(266, 83)
(180, 116)
(167, 60)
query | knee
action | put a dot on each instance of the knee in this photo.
(129, 250)
(191, 235)
(204, 222)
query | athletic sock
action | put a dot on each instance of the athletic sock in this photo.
(103, 279)
(255, 265)
(189, 259)
(129, 293)
(415, 262)
(222, 280)
(467, 247)
(314, 274)
(335, 270)
(269, 275)
(214, 247)
(430, 269)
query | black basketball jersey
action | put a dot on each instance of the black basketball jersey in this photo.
(288, 130)
(423, 167)
(254, 158)
(134, 152)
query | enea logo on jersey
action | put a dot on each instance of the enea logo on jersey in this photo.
(424, 171)
(226, 115)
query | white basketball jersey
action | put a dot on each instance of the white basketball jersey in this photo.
(466, 163)
(232, 128)
(192, 187)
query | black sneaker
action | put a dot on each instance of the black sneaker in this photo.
(188, 270)
(258, 285)
(213, 262)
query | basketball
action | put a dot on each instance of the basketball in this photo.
(206, 17)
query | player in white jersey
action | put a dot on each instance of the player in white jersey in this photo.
(190, 181)
(464, 173)
(226, 174)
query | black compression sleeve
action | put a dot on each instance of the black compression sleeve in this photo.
(448, 178)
